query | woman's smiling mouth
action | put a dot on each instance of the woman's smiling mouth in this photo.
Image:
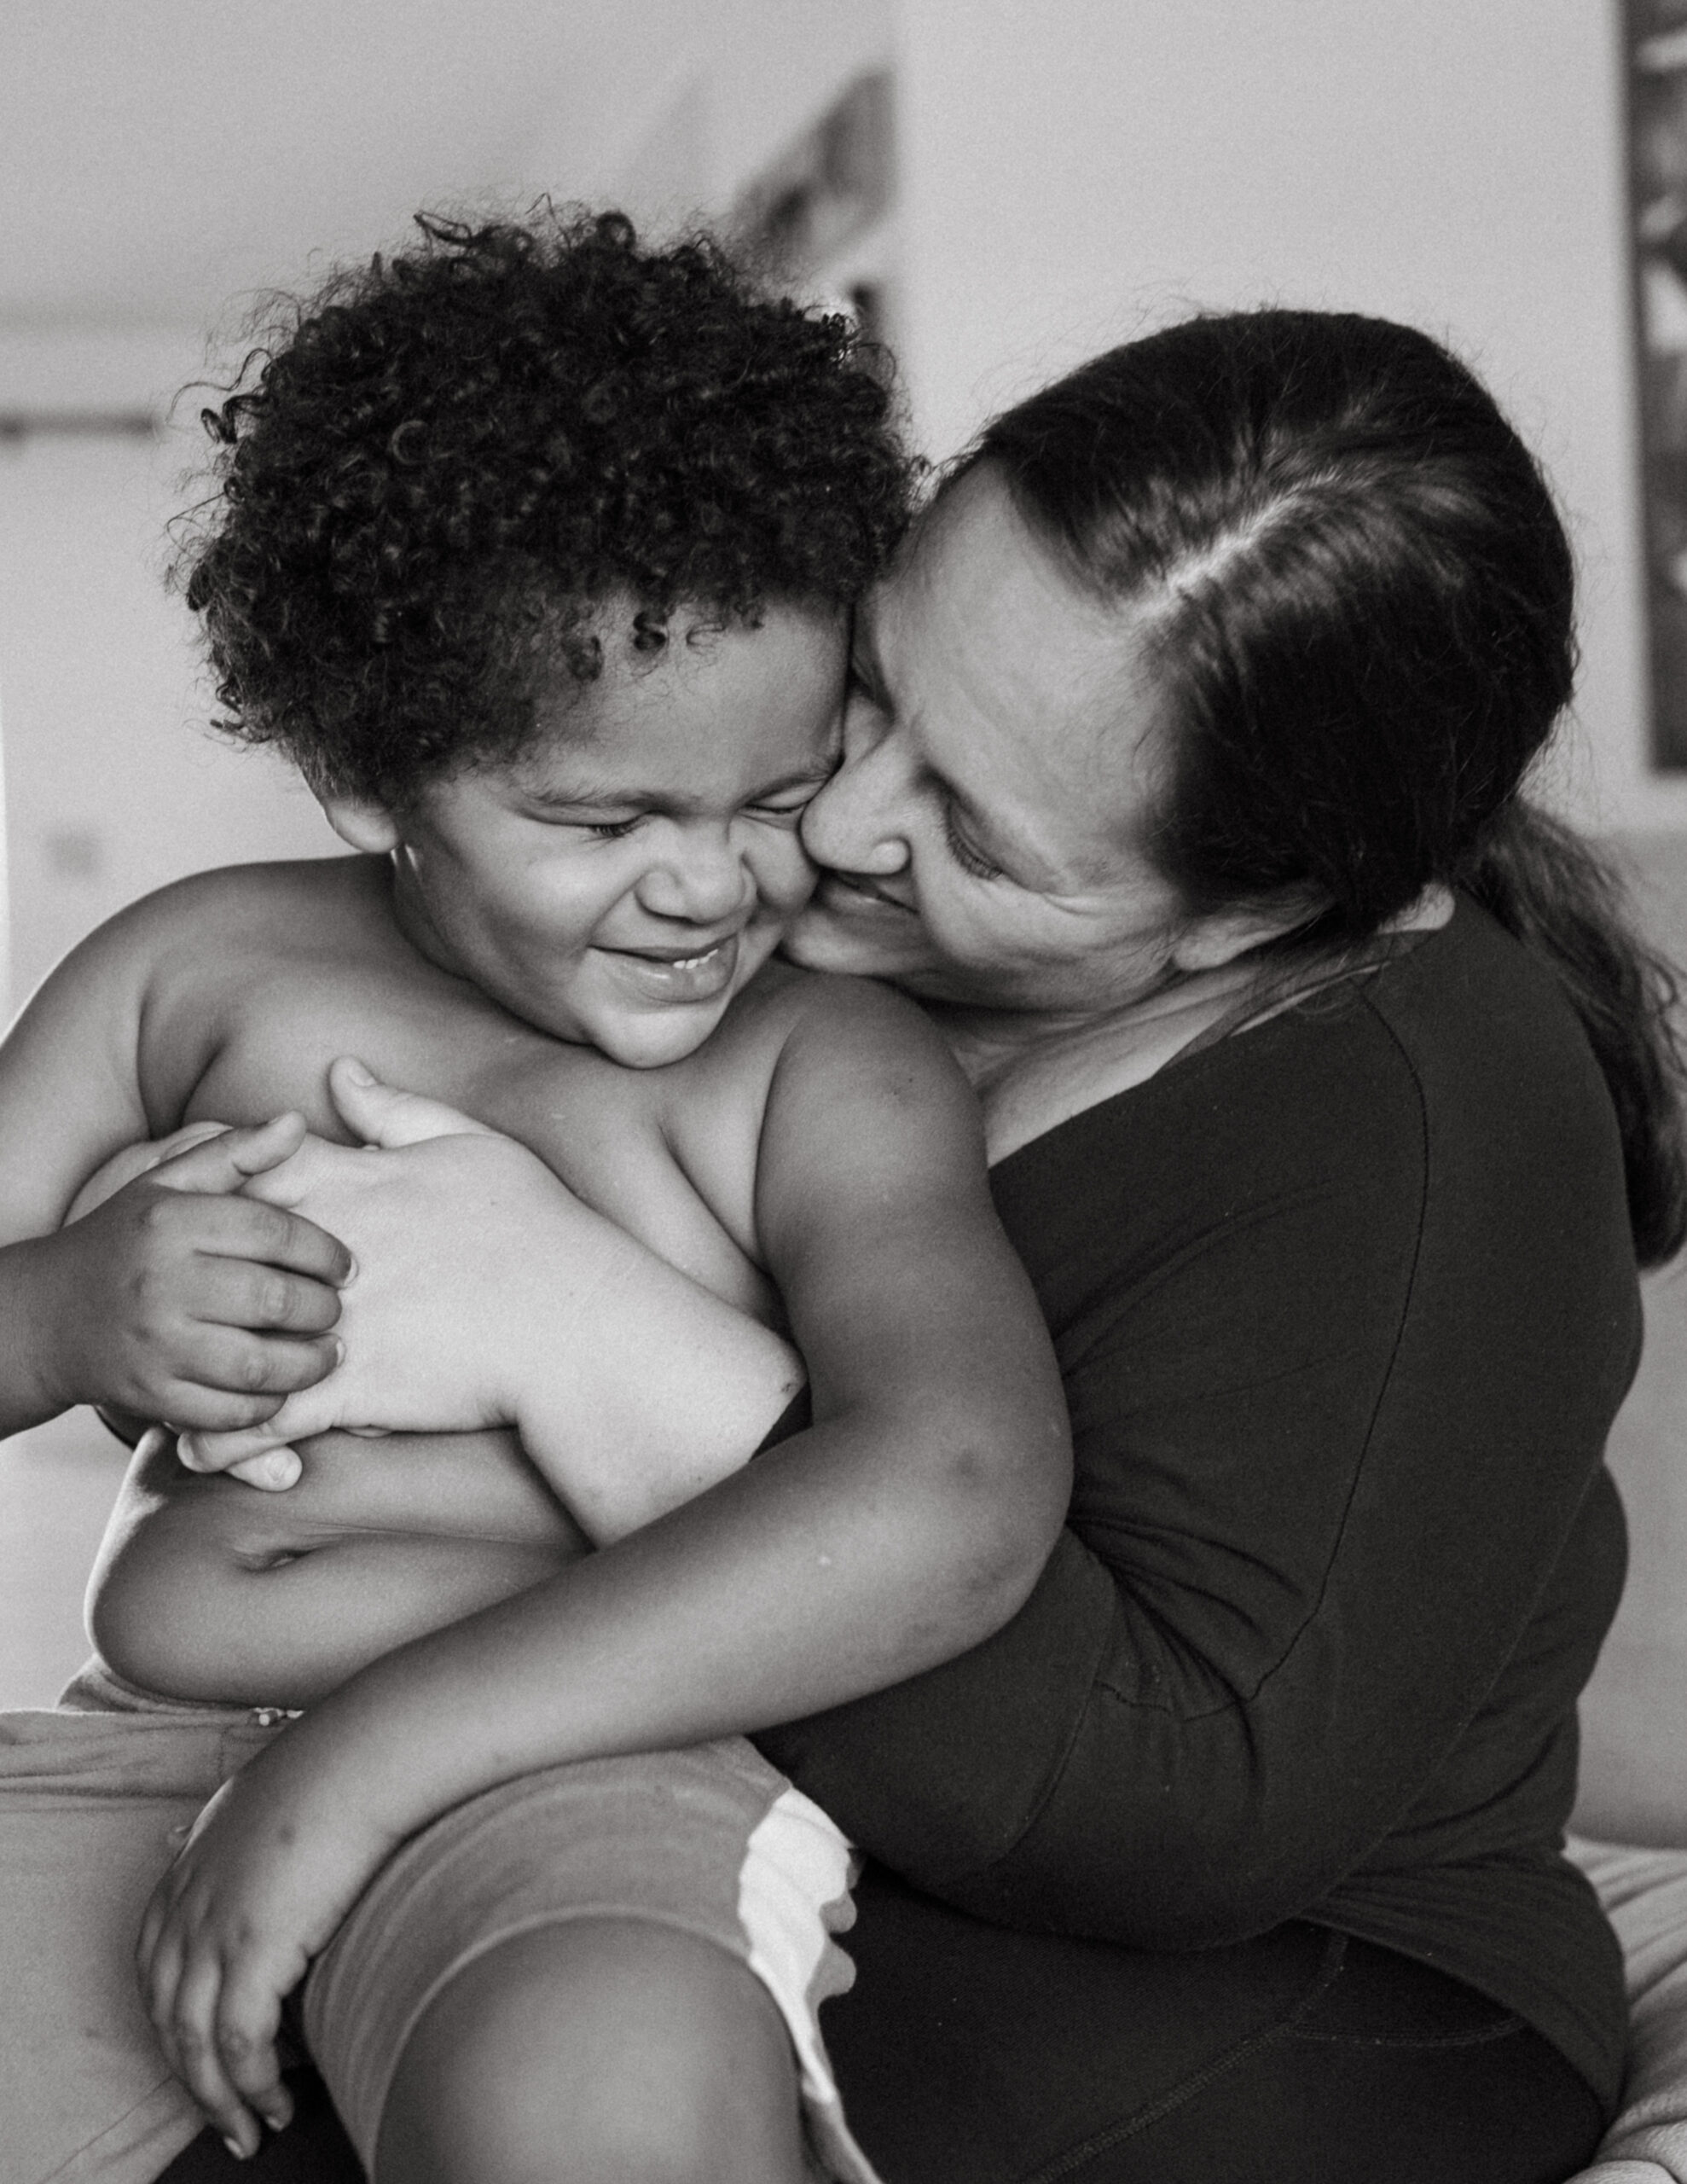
(852, 895)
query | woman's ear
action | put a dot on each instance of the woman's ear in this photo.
(362, 823)
(1209, 942)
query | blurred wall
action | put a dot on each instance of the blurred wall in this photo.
(112, 785)
(1077, 171)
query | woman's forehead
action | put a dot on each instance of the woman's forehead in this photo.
(1009, 678)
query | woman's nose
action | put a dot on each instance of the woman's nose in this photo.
(700, 876)
(853, 825)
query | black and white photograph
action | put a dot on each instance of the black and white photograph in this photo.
(843, 1101)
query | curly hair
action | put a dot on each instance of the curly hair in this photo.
(434, 475)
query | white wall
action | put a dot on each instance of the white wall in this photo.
(112, 784)
(1076, 170)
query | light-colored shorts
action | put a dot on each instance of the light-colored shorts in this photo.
(711, 1841)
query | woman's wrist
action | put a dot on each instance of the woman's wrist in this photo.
(670, 1390)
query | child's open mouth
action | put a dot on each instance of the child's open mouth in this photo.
(659, 975)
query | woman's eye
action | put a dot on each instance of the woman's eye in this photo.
(964, 853)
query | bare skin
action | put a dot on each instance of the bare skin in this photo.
(245, 986)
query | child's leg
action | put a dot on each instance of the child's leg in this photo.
(87, 1801)
(601, 2052)
(642, 1943)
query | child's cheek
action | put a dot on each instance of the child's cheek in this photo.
(791, 877)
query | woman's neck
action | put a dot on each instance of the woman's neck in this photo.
(1033, 1069)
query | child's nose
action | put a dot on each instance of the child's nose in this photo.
(702, 877)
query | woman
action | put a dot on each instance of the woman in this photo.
(1331, 1108)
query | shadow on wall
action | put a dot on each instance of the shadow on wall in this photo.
(1634, 1714)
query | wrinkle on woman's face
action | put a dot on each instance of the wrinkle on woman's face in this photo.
(988, 831)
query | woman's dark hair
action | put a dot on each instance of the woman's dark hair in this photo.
(440, 465)
(1358, 598)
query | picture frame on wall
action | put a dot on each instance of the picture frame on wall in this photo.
(1655, 46)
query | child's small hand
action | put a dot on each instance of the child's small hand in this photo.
(267, 1874)
(176, 1298)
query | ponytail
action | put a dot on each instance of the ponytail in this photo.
(1550, 890)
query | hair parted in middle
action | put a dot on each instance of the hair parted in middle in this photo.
(1358, 601)
(439, 472)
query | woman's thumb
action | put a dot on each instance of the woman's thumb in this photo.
(379, 1114)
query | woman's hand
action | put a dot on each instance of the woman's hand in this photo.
(451, 1225)
(170, 1295)
(272, 1866)
(486, 1294)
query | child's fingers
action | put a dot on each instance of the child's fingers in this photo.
(383, 1116)
(249, 2015)
(136, 1160)
(194, 2053)
(234, 1361)
(268, 1234)
(240, 1292)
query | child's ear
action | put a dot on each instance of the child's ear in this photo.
(364, 825)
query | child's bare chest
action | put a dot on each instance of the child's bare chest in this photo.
(668, 1155)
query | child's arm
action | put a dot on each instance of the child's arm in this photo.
(173, 1299)
(907, 1525)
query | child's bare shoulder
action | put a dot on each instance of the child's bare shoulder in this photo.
(209, 917)
(786, 1012)
(163, 966)
(828, 1016)
(807, 1040)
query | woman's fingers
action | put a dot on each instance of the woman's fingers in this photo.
(381, 1115)
(272, 1472)
(252, 1447)
(227, 1158)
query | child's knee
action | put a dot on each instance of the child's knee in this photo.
(602, 2050)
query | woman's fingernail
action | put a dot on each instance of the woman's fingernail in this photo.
(358, 1071)
(235, 2147)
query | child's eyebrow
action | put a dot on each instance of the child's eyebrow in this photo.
(585, 797)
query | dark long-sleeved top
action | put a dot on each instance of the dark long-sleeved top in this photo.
(1345, 1304)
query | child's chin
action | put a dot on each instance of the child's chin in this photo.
(651, 1041)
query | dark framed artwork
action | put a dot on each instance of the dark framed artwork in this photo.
(1655, 33)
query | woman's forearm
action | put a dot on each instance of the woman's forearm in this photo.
(672, 1393)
